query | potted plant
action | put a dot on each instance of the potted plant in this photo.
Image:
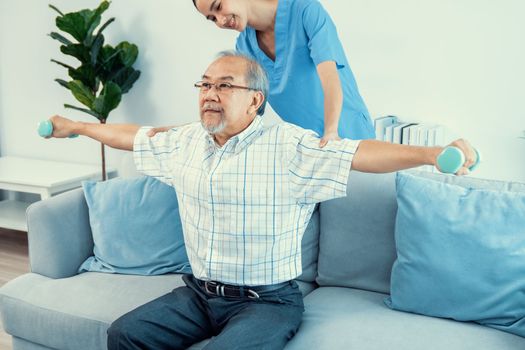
(105, 72)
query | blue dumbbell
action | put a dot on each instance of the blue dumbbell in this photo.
(45, 129)
(451, 159)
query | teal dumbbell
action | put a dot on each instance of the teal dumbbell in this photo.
(451, 159)
(45, 129)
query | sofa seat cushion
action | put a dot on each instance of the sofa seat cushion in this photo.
(345, 318)
(75, 312)
(21, 344)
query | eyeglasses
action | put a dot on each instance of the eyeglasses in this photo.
(223, 87)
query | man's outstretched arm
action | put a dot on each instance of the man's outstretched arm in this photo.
(120, 136)
(384, 157)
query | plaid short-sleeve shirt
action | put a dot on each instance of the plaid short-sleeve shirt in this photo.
(245, 206)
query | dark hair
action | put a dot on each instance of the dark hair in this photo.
(194, 4)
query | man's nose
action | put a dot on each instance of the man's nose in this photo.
(211, 94)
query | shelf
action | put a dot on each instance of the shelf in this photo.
(42, 177)
(13, 215)
(43, 173)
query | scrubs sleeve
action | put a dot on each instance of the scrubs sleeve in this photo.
(323, 41)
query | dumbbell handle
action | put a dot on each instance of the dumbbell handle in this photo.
(45, 129)
(451, 159)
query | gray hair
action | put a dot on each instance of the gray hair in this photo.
(256, 76)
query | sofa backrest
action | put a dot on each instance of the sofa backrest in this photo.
(356, 243)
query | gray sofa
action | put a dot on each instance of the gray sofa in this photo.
(53, 307)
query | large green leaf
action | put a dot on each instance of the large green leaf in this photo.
(125, 78)
(88, 111)
(60, 38)
(132, 78)
(108, 22)
(108, 99)
(73, 24)
(82, 93)
(56, 9)
(63, 83)
(108, 63)
(106, 52)
(108, 57)
(62, 64)
(81, 24)
(86, 74)
(96, 41)
(128, 53)
(95, 48)
(93, 20)
(79, 51)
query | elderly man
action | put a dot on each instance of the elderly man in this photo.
(246, 195)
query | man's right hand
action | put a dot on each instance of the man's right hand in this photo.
(119, 136)
(62, 127)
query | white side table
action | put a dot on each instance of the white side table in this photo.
(45, 178)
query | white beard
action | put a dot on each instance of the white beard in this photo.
(214, 129)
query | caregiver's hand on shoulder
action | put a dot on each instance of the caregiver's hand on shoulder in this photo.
(328, 137)
(154, 131)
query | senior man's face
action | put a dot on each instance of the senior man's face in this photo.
(224, 108)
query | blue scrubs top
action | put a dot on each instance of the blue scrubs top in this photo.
(305, 36)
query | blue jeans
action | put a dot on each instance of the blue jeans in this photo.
(189, 314)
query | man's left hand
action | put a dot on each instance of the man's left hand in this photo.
(470, 155)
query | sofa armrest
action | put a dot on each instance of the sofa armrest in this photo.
(59, 234)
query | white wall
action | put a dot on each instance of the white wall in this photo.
(457, 63)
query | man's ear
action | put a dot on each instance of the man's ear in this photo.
(257, 101)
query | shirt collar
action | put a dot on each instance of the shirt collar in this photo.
(248, 135)
(238, 142)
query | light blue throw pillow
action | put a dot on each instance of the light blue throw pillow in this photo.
(460, 253)
(136, 227)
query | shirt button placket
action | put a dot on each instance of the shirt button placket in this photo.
(212, 195)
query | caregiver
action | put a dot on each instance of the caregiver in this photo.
(311, 83)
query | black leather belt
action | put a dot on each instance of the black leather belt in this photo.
(230, 291)
(227, 290)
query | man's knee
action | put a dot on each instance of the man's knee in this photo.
(122, 334)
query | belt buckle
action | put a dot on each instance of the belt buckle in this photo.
(214, 288)
(210, 287)
(217, 289)
(253, 294)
